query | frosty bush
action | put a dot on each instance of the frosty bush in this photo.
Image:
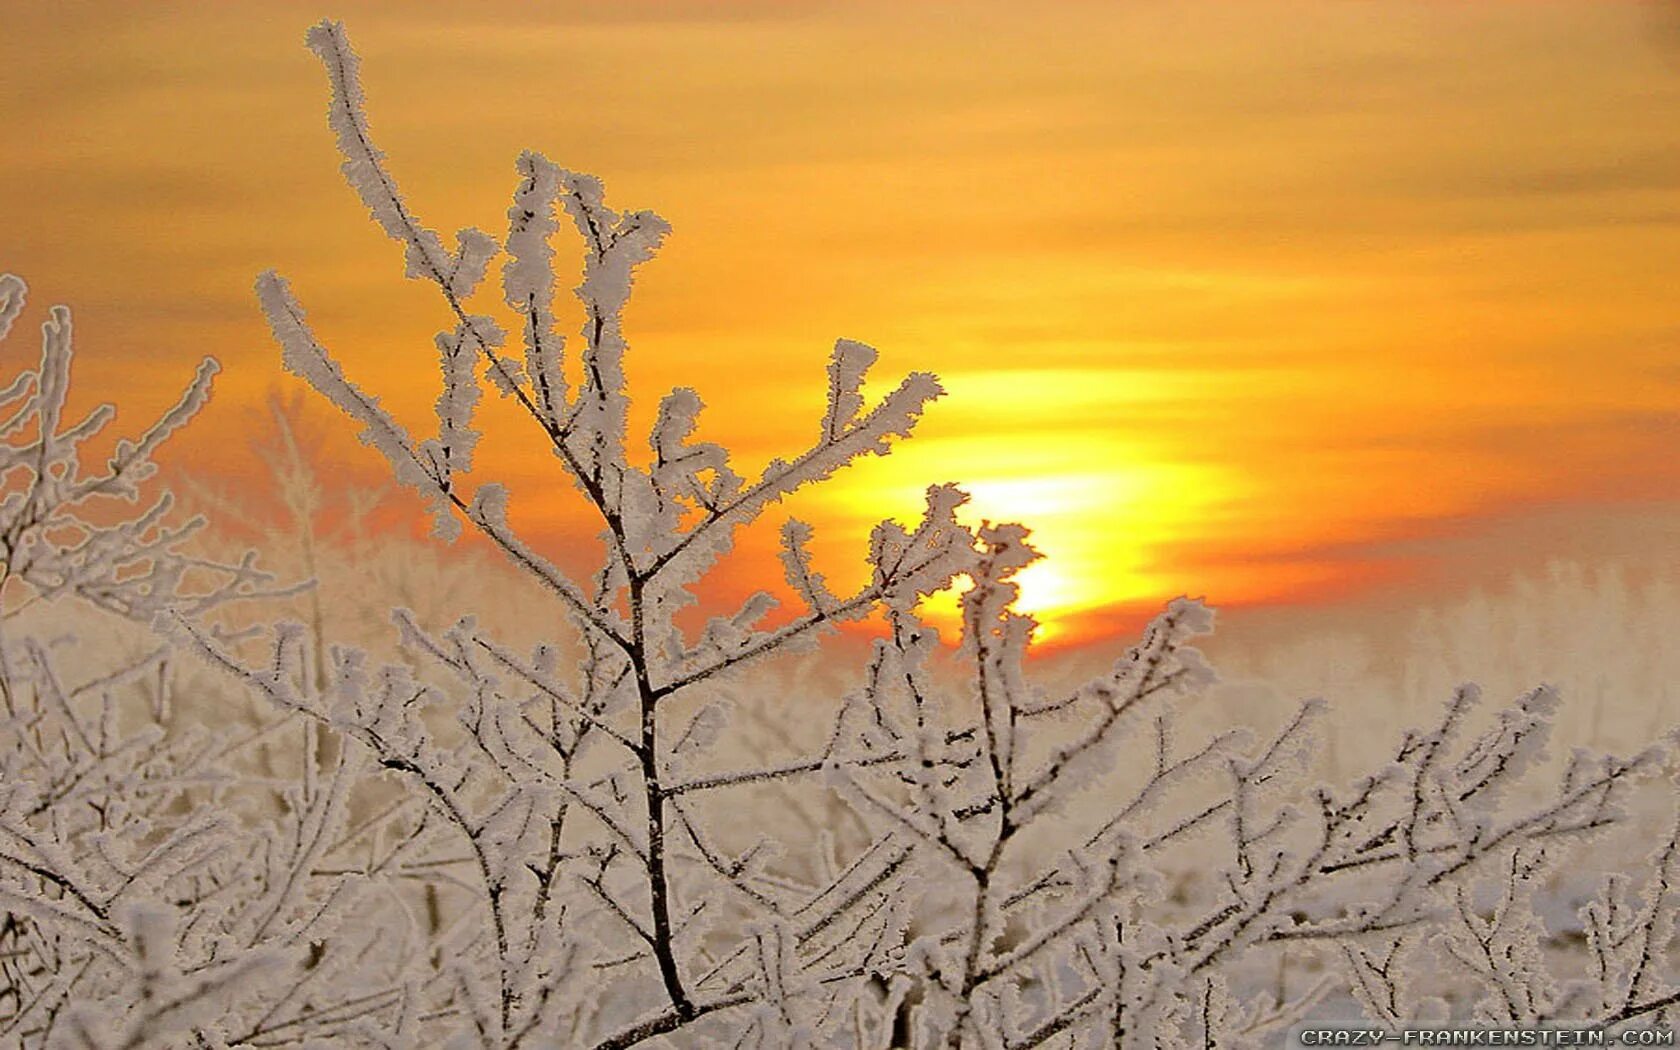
(134, 903)
(59, 531)
(481, 846)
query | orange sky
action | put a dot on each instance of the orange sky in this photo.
(1269, 301)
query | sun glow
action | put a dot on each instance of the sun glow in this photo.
(1212, 319)
(1097, 507)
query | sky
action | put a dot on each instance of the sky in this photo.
(1287, 304)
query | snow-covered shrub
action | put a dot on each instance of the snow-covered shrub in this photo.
(1002, 877)
(66, 529)
(1495, 942)
(356, 538)
(137, 902)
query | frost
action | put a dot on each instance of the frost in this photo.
(12, 295)
(652, 828)
(135, 912)
(364, 164)
(57, 536)
(846, 371)
(528, 282)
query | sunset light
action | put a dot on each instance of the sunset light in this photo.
(1097, 507)
(863, 525)
(1268, 301)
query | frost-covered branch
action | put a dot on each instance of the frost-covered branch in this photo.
(58, 533)
(613, 832)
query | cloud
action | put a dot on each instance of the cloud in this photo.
(1344, 272)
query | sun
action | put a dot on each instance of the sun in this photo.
(1097, 516)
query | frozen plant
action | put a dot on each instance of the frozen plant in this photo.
(510, 789)
(136, 902)
(1054, 923)
(563, 834)
(64, 528)
(1504, 952)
